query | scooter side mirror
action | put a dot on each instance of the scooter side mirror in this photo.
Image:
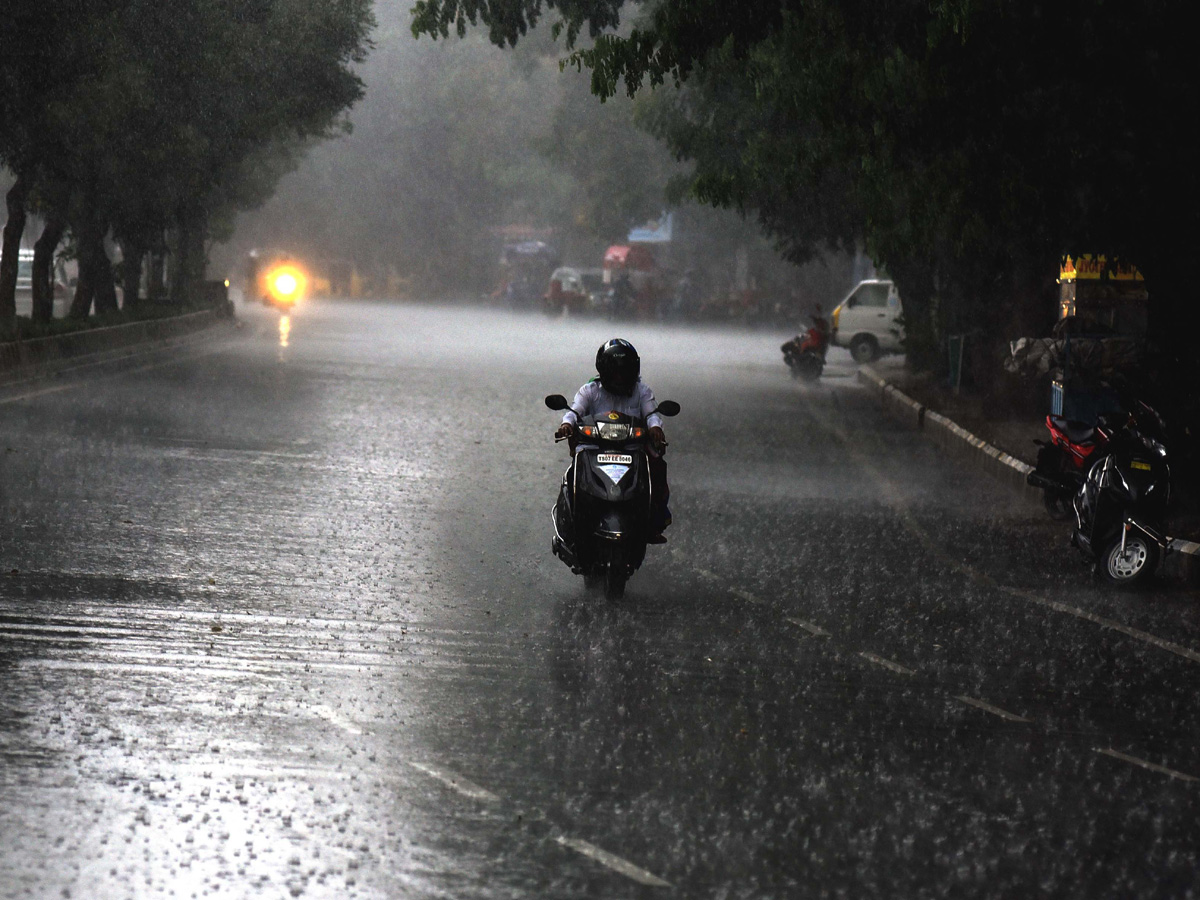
(668, 408)
(556, 401)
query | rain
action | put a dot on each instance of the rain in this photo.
(296, 600)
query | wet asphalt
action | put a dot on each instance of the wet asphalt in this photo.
(279, 618)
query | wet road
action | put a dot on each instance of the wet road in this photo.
(280, 619)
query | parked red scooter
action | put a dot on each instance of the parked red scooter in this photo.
(1064, 460)
(805, 353)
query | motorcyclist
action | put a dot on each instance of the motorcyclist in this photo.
(618, 387)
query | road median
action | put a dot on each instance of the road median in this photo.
(44, 355)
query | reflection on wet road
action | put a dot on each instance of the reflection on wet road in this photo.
(286, 624)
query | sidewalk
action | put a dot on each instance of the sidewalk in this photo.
(1001, 446)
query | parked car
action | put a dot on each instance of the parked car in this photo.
(869, 321)
(574, 290)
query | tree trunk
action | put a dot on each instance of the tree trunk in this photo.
(156, 288)
(81, 304)
(131, 272)
(921, 334)
(86, 239)
(190, 256)
(106, 286)
(10, 252)
(43, 264)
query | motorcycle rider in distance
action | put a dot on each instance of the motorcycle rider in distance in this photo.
(618, 387)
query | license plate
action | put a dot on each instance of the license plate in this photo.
(614, 459)
(1138, 464)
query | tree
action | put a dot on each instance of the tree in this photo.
(149, 112)
(971, 144)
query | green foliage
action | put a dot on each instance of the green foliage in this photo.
(156, 114)
(970, 143)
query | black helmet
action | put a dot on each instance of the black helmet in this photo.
(619, 366)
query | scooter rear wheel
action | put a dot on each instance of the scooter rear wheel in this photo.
(807, 368)
(1132, 566)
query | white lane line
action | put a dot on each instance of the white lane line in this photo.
(706, 574)
(1153, 767)
(1169, 646)
(616, 863)
(744, 595)
(988, 708)
(332, 715)
(887, 663)
(815, 630)
(456, 782)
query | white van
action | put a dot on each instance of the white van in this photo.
(868, 321)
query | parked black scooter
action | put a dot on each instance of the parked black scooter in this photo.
(1121, 507)
(602, 516)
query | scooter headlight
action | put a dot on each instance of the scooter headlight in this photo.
(613, 431)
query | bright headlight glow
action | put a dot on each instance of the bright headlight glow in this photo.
(287, 284)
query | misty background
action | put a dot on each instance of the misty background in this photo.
(460, 147)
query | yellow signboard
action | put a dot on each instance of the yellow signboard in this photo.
(1087, 267)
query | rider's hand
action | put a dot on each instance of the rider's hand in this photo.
(659, 439)
(565, 430)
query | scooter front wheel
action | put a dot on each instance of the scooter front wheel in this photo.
(1133, 564)
(616, 575)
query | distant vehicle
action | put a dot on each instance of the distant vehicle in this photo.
(573, 291)
(869, 322)
(805, 353)
(284, 285)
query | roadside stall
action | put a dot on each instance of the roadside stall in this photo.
(1097, 341)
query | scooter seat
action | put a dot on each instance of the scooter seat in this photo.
(1076, 432)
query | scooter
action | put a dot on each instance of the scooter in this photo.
(805, 353)
(1064, 460)
(1121, 507)
(602, 516)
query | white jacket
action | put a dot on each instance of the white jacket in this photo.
(593, 399)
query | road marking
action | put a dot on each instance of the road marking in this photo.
(705, 573)
(1146, 637)
(744, 595)
(1153, 767)
(332, 715)
(887, 663)
(815, 630)
(988, 708)
(456, 782)
(616, 863)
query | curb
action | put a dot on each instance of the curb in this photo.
(39, 356)
(1182, 562)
